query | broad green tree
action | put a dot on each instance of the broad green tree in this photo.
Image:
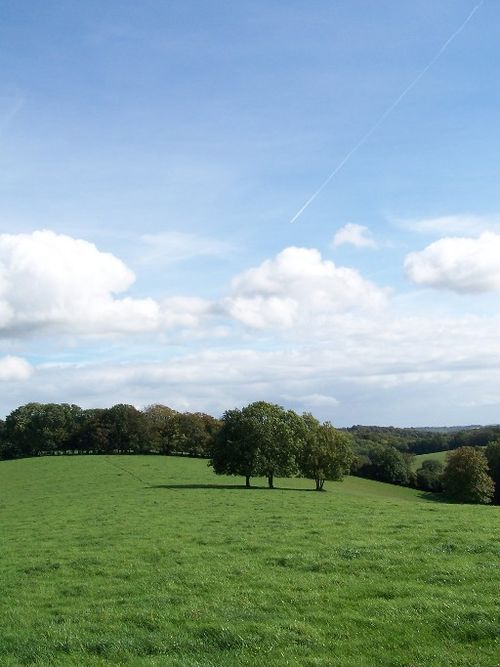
(428, 476)
(325, 453)
(493, 458)
(261, 439)
(465, 477)
(163, 427)
(37, 428)
(234, 451)
(128, 429)
(385, 464)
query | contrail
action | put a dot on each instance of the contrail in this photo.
(388, 111)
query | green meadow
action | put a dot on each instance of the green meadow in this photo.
(433, 456)
(149, 560)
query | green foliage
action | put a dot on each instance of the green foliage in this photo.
(385, 464)
(325, 453)
(163, 427)
(421, 440)
(50, 428)
(41, 427)
(260, 439)
(428, 476)
(147, 561)
(465, 477)
(492, 454)
(128, 429)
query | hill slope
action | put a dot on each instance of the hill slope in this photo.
(434, 456)
(155, 561)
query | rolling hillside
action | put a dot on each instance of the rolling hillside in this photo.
(434, 456)
(156, 561)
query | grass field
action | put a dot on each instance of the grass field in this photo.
(434, 456)
(155, 561)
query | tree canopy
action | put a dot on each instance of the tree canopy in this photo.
(325, 453)
(465, 477)
(262, 439)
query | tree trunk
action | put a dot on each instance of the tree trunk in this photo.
(270, 480)
(319, 484)
(247, 481)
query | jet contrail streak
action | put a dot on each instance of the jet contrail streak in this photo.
(387, 112)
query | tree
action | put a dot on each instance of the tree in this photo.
(37, 428)
(261, 439)
(128, 428)
(325, 454)
(493, 458)
(93, 432)
(465, 477)
(386, 464)
(234, 450)
(428, 476)
(163, 427)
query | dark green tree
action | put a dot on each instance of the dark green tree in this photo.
(262, 439)
(163, 427)
(493, 457)
(428, 476)
(326, 453)
(465, 477)
(234, 450)
(92, 436)
(127, 429)
(386, 464)
(41, 428)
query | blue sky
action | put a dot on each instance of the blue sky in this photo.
(152, 156)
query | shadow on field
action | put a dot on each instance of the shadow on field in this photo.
(433, 497)
(239, 487)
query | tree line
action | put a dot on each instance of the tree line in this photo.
(38, 429)
(469, 474)
(260, 440)
(421, 440)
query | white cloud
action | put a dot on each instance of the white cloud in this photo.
(464, 265)
(52, 281)
(376, 370)
(174, 246)
(356, 235)
(454, 224)
(14, 369)
(311, 401)
(60, 285)
(297, 288)
(186, 312)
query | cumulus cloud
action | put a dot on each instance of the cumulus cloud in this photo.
(50, 280)
(356, 235)
(14, 369)
(299, 287)
(464, 265)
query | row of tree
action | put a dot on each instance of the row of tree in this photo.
(264, 440)
(261, 439)
(38, 429)
(421, 440)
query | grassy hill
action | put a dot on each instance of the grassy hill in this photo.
(156, 561)
(434, 456)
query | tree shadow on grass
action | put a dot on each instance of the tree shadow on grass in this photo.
(240, 487)
(434, 497)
